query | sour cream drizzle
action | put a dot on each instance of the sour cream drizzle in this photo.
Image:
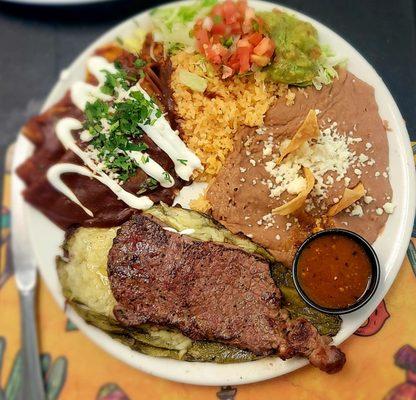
(185, 161)
(64, 129)
(169, 141)
(152, 168)
(54, 177)
(83, 92)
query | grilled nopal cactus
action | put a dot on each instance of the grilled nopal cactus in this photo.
(83, 276)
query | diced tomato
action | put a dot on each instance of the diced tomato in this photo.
(244, 59)
(212, 55)
(269, 52)
(216, 39)
(232, 38)
(220, 50)
(202, 36)
(249, 13)
(218, 29)
(255, 38)
(235, 66)
(261, 61)
(230, 12)
(264, 46)
(207, 23)
(244, 43)
(247, 26)
(217, 10)
(227, 30)
(233, 62)
(235, 28)
(241, 7)
(260, 24)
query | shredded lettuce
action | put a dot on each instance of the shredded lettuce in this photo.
(193, 81)
(173, 25)
(326, 68)
(134, 41)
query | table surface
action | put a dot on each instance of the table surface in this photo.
(38, 42)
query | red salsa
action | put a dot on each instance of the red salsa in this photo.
(334, 271)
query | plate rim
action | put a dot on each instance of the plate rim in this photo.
(173, 369)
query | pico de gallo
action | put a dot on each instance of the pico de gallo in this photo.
(236, 39)
(232, 37)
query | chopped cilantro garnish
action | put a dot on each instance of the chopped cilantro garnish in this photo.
(227, 42)
(135, 147)
(182, 161)
(120, 78)
(115, 125)
(145, 159)
(167, 177)
(152, 182)
(139, 63)
(95, 111)
(117, 79)
(148, 184)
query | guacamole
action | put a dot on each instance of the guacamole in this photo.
(297, 53)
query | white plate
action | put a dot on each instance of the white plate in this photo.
(390, 246)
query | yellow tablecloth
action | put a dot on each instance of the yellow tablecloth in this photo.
(381, 356)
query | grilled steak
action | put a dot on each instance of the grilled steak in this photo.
(209, 291)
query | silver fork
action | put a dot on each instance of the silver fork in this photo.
(25, 274)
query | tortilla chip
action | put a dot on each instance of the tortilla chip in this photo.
(349, 197)
(299, 200)
(308, 130)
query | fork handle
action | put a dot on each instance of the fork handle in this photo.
(33, 387)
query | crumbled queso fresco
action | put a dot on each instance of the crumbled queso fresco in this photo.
(330, 153)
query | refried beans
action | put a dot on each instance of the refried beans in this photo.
(240, 194)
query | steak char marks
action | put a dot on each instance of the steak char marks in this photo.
(208, 291)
